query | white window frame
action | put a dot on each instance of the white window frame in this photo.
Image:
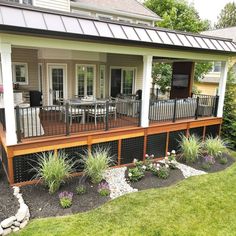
(102, 67)
(85, 82)
(14, 64)
(213, 71)
(122, 68)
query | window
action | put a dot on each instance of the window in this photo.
(20, 73)
(85, 77)
(104, 17)
(127, 83)
(125, 20)
(26, 2)
(144, 23)
(216, 66)
(102, 80)
(81, 12)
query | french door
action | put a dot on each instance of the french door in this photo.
(85, 80)
(122, 81)
(57, 84)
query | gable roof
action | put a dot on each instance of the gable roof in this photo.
(31, 20)
(229, 32)
(120, 6)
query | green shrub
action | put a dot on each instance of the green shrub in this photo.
(81, 189)
(96, 163)
(223, 160)
(161, 171)
(53, 169)
(190, 148)
(215, 146)
(135, 174)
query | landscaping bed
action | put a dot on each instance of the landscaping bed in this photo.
(217, 166)
(42, 204)
(8, 203)
(151, 181)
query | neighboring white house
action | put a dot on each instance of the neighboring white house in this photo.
(210, 83)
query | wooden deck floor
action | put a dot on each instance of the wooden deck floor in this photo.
(53, 123)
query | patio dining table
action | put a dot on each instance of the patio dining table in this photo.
(82, 104)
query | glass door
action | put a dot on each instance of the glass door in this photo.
(85, 80)
(57, 84)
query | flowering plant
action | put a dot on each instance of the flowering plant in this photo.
(148, 161)
(103, 189)
(66, 199)
(161, 170)
(135, 174)
(170, 159)
(208, 161)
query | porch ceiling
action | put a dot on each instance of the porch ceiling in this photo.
(43, 22)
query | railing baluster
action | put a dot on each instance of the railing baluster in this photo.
(18, 126)
(67, 119)
(197, 108)
(175, 105)
(107, 116)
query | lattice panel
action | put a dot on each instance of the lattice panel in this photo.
(112, 147)
(197, 131)
(174, 139)
(212, 130)
(156, 145)
(23, 167)
(132, 148)
(74, 154)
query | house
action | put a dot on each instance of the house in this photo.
(210, 83)
(94, 75)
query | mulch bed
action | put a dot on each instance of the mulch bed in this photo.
(152, 181)
(8, 203)
(42, 204)
(214, 168)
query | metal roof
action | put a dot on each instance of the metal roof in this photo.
(31, 19)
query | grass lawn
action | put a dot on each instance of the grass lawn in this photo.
(204, 205)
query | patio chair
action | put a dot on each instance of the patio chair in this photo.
(99, 111)
(73, 112)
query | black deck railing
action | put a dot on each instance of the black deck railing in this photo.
(189, 108)
(77, 117)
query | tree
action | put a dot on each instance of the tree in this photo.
(229, 117)
(227, 17)
(177, 15)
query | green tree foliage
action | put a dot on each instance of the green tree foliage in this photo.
(229, 118)
(177, 15)
(201, 69)
(227, 17)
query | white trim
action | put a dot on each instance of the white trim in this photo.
(81, 12)
(8, 96)
(122, 68)
(94, 79)
(40, 82)
(222, 87)
(102, 67)
(147, 79)
(26, 72)
(147, 23)
(49, 81)
(32, 41)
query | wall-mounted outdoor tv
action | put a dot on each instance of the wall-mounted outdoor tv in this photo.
(180, 80)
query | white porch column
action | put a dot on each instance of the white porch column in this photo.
(5, 50)
(222, 87)
(147, 80)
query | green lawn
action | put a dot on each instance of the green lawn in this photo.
(204, 205)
